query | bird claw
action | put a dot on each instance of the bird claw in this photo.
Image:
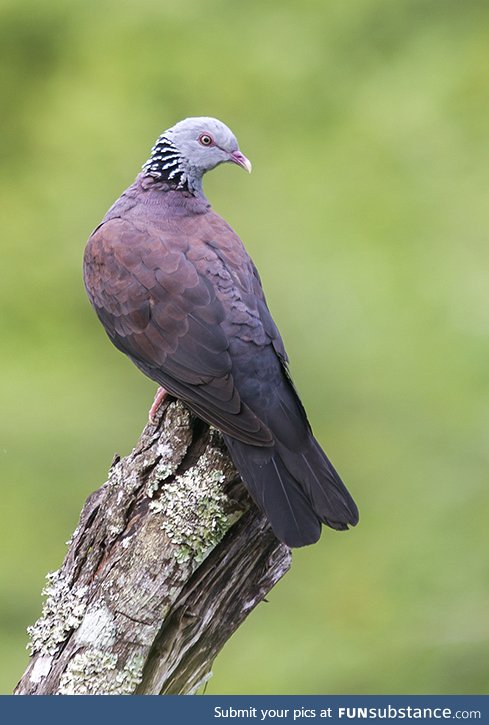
(160, 396)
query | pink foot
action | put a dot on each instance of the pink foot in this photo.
(161, 394)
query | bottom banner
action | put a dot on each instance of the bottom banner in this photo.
(225, 709)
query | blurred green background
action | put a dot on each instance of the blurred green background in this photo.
(367, 215)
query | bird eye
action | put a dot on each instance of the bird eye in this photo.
(205, 139)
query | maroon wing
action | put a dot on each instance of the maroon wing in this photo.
(159, 307)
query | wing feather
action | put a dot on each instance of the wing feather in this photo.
(161, 309)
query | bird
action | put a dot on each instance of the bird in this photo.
(177, 292)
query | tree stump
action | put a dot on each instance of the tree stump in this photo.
(169, 557)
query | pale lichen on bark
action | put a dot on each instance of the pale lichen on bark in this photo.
(95, 672)
(195, 511)
(62, 611)
(168, 559)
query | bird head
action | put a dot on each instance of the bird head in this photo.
(184, 152)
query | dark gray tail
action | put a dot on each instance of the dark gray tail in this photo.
(298, 489)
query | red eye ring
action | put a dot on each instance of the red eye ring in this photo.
(206, 139)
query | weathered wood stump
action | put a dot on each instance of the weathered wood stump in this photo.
(169, 557)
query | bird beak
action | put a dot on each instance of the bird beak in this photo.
(238, 158)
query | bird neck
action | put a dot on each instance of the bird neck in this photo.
(166, 164)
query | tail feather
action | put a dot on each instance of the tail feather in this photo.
(324, 488)
(297, 490)
(291, 480)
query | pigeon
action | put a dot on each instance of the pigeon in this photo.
(176, 291)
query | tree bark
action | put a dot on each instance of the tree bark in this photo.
(169, 557)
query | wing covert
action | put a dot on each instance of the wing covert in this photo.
(162, 312)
